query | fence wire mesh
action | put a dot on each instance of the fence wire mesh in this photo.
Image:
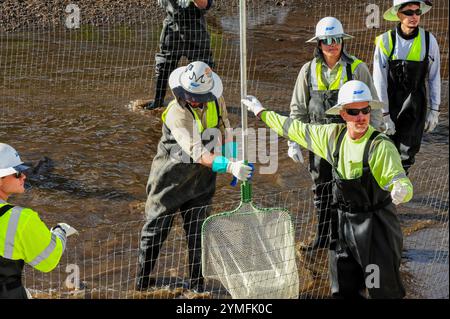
(102, 262)
(63, 88)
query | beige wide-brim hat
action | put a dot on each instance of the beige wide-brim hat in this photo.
(391, 13)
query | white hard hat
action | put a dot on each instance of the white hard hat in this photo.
(329, 27)
(391, 14)
(353, 92)
(10, 161)
(196, 82)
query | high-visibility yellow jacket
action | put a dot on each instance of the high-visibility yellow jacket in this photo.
(384, 159)
(23, 236)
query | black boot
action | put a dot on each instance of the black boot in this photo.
(197, 285)
(144, 283)
(153, 105)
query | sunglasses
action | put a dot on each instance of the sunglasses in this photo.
(355, 112)
(329, 41)
(18, 175)
(410, 13)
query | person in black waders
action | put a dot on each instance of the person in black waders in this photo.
(184, 33)
(406, 61)
(315, 91)
(183, 173)
(24, 238)
(368, 181)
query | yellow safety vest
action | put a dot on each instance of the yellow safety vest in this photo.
(384, 41)
(341, 77)
(23, 236)
(212, 118)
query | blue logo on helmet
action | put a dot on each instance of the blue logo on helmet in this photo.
(195, 84)
(329, 28)
(358, 92)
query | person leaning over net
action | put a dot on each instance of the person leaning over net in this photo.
(368, 181)
(23, 236)
(406, 62)
(183, 172)
(184, 33)
(315, 91)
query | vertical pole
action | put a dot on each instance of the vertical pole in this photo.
(245, 187)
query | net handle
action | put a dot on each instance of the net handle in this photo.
(246, 190)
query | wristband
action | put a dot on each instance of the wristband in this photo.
(220, 164)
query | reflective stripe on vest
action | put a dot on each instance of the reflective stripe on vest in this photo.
(11, 225)
(414, 53)
(11, 230)
(212, 118)
(317, 83)
(45, 253)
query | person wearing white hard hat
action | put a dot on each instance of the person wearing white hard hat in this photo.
(184, 33)
(368, 182)
(24, 238)
(190, 153)
(315, 91)
(406, 74)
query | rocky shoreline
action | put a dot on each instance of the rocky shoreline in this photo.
(17, 15)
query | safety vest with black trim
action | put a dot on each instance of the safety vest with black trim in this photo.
(406, 87)
(43, 251)
(416, 52)
(323, 97)
(209, 133)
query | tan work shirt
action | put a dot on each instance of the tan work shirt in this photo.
(184, 129)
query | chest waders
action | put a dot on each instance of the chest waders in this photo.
(366, 239)
(408, 101)
(322, 99)
(11, 273)
(184, 33)
(176, 184)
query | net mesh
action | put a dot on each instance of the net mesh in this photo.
(251, 252)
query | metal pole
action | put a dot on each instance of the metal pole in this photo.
(243, 57)
(246, 188)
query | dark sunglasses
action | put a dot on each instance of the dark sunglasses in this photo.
(355, 112)
(329, 41)
(18, 174)
(410, 13)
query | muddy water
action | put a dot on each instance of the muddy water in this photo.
(63, 96)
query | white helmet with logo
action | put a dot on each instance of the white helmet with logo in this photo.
(391, 14)
(196, 82)
(10, 161)
(329, 27)
(353, 92)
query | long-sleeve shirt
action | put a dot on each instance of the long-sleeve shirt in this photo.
(384, 159)
(301, 95)
(185, 130)
(401, 51)
(23, 236)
